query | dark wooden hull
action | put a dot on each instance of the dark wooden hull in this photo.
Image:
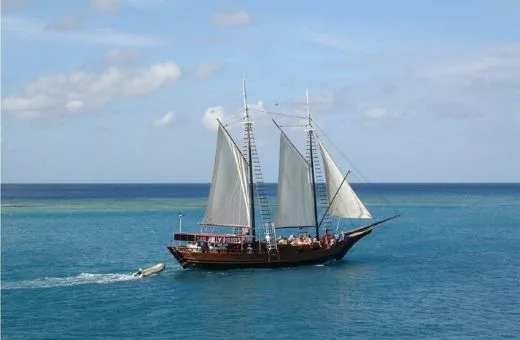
(286, 256)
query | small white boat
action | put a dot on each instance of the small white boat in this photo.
(159, 267)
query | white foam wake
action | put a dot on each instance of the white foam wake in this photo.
(80, 279)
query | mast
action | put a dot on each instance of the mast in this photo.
(248, 127)
(312, 166)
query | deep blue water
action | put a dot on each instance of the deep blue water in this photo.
(448, 268)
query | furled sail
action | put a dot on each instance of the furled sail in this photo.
(294, 198)
(229, 199)
(346, 203)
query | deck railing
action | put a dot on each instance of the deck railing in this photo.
(263, 250)
(224, 251)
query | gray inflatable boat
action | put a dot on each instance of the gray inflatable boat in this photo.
(159, 267)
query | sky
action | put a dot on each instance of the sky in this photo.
(128, 91)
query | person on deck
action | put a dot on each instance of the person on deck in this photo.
(326, 237)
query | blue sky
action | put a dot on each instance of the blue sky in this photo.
(128, 90)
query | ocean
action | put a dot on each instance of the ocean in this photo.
(449, 267)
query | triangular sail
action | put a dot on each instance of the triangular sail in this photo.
(294, 200)
(229, 199)
(343, 203)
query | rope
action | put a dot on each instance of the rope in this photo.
(237, 120)
(358, 172)
(294, 125)
(278, 113)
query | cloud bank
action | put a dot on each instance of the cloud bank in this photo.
(74, 92)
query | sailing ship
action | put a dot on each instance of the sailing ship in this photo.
(232, 202)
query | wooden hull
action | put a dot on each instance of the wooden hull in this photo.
(287, 256)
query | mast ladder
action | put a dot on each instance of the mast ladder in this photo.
(270, 241)
(261, 192)
(321, 187)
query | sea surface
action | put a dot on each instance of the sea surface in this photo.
(449, 267)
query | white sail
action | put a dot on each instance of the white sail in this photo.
(294, 198)
(229, 196)
(346, 203)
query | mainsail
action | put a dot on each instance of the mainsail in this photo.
(343, 200)
(229, 197)
(294, 198)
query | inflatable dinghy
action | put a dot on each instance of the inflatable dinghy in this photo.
(159, 267)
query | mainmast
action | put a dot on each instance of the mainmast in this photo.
(248, 128)
(309, 131)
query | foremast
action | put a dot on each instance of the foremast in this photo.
(311, 163)
(248, 130)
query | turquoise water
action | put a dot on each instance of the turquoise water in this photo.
(448, 268)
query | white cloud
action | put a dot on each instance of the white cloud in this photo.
(211, 115)
(57, 94)
(104, 5)
(232, 19)
(103, 82)
(478, 83)
(165, 120)
(376, 113)
(110, 6)
(256, 110)
(17, 27)
(205, 70)
(114, 5)
(74, 105)
(152, 79)
(495, 60)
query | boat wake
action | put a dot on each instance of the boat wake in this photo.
(80, 279)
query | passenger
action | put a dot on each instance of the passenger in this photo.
(249, 249)
(326, 238)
